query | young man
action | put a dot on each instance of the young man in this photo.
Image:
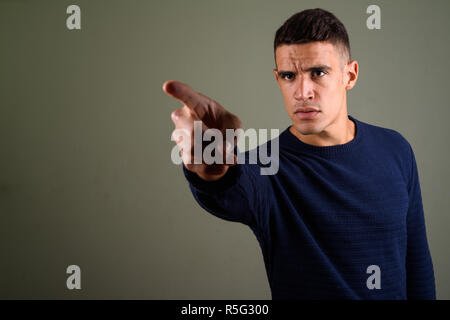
(343, 216)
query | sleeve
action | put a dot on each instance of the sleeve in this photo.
(419, 267)
(235, 197)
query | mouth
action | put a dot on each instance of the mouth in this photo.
(306, 113)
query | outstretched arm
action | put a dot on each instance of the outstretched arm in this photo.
(234, 192)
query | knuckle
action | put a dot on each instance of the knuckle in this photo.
(211, 104)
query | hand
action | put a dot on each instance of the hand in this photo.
(198, 107)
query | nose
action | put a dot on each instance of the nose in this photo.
(304, 89)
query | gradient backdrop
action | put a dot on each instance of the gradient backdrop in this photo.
(85, 171)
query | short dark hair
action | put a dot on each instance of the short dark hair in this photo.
(313, 25)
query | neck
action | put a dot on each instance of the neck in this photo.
(339, 132)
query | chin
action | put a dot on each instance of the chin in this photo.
(307, 127)
(307, 131)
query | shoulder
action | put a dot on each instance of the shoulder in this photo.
(393, 146)
(388, 138)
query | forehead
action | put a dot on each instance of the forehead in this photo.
(306, 54)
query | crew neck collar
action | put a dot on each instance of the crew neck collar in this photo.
(291, 142)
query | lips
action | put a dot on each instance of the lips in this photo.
(306, 113)
(305, 109)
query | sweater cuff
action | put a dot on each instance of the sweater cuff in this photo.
(230, 178)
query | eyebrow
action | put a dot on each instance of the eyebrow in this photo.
(313, 68)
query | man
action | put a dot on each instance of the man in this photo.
(343, 216)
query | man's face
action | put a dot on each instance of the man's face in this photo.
(314, 75)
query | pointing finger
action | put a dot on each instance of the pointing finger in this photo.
(188, 96)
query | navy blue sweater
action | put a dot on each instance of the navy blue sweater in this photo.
(329, 214)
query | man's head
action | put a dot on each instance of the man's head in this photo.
(313, 69)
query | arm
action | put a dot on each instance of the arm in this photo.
(419, 268)
(237, 196)
(224, 188)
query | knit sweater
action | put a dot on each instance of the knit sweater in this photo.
(335, 222)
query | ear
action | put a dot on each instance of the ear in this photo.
(275, 71)
(351, 74)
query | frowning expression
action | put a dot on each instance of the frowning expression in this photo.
(313, 79)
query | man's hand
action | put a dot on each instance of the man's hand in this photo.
(198, 107)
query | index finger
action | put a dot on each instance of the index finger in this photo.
(184, 93)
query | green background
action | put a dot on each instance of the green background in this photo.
(85, 171)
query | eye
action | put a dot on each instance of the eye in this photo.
(287, 75)
(318, 73)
